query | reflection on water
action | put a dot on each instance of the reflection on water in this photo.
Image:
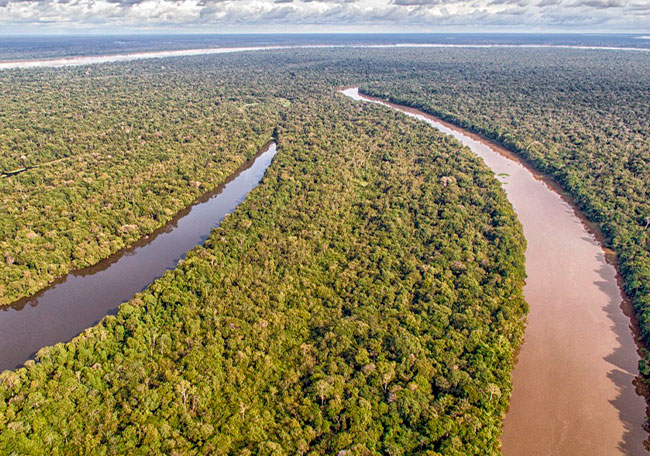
(83, 297)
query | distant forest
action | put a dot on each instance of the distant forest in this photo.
(25, 47)
(366, 298)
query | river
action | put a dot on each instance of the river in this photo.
(131, 56)
(82, 298)
(574, 381)
(574, 391)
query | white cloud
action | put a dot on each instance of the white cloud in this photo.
(324, 15)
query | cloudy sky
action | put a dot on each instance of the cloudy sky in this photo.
(216, 16)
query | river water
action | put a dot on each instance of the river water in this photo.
(128, 57)
(574, 391)
(84, 297)
(574, 382)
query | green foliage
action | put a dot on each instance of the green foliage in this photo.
(580, 116)
(110, 156)
(353, 303)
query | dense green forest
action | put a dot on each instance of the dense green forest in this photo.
(108, 158)
(582, 117)
(366, 298)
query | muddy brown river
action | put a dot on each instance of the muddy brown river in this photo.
(84, 297)
(574, 382)
(574, 391)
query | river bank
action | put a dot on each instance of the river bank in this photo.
(576, 375)
(82, 298)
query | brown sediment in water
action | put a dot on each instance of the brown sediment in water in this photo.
(577, 389)
(83, 297)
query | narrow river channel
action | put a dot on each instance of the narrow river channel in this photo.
(84, 297)
(574, 391)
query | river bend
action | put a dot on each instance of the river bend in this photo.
(82, 298)
(574, 391)
(574, 382)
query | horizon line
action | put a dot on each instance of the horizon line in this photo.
(136, 32)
